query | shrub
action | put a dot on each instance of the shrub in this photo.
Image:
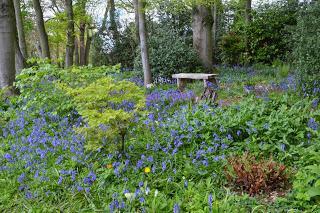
(168, 54)
(256, 176)
(307, 43)
(266, 38)
(232, 48)
(108, 107)
(269, 32)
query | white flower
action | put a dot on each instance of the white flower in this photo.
(156, 193)
(129, 196)
(147, 190)
(149, 86)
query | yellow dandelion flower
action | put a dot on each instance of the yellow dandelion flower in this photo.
(147, 170)
(109, 166)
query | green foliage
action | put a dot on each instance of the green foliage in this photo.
(307, 44)
(269, 32)
(233, 48)
(169, 54)
(38, 85)
(122, 51)
(99, 103)
(276, 126)
(307, 184)
(265, 39)
(38, 90)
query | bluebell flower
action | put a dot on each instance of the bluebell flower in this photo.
(210, 200)
(139, 164)
(150, 159)
(141, 200)
(29, 195)
(21, 178)
(312, 124)
(164, 166)
(186, 184)
(8, 156)
(176, 208)
(315, 103)
(60, 180)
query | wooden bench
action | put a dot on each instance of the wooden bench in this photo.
(182, 79)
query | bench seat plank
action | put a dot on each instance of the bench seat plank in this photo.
(196, 76)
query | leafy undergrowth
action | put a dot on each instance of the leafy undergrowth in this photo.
(162, 154)
(247, 174)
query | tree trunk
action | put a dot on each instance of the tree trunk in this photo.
(143, 42)
(39, 51)
(202, 35)
(20, 61)
(70, 34)
(136, 17)
(76, 52)
(113, 23)
(88, 46)
(104, 20)
(214, 30)
(58, 54)
(82, 44)
(7, 43)
(247, 14)
(20, 30)
(216, 13)
(44, 43)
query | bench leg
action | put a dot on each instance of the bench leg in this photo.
(212, 80)
(181, 84)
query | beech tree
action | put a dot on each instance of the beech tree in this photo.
(20, 30)
(44, 43)
(247, 12)
(83, 25)
(202, 34)
(70, 33)
(140, 9)
(7, 42)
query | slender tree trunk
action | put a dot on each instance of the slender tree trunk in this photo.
(247, 14)
(216, 15)
(136, 17)
(214, 29)
(76, 52)
(70, 34)
(44, 43)
(202, 35)
(113, 23)
(82, 43)
(143, 42)
(104, 20)
(20, 30)
(20, 60)
(247, 19)
(7, 44)
(58, 54)
(88, 46)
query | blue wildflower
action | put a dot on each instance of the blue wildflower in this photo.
(312, 124)
(176, 208)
